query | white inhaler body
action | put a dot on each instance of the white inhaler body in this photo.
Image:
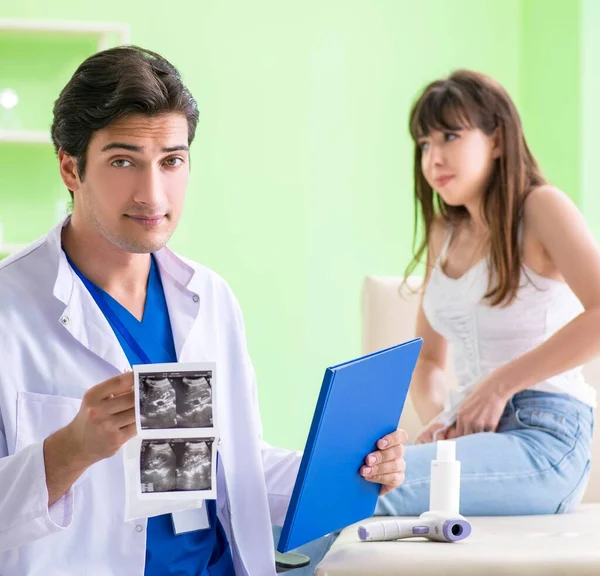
(444, 493)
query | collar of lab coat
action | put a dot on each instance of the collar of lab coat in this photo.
(95, 332)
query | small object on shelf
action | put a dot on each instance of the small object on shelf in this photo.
(8, 98)
(8, 116)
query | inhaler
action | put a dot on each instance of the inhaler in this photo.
(442, 523)
(444, 489)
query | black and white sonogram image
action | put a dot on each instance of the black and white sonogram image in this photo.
(175, 399)
(174, 465)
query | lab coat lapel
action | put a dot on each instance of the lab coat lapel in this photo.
(182, 302)
(81, 316)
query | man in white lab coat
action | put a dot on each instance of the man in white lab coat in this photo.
(122, 130)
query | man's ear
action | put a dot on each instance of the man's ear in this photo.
(68, 170)
(498, 142)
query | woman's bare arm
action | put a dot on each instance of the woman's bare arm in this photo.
(429, 384)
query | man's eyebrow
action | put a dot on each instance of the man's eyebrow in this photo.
(180, 147)
(140, 149)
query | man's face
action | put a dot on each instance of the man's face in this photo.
(135, 179)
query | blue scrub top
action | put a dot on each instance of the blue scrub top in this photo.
(198, 553)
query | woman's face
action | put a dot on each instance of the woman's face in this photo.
(458, 165)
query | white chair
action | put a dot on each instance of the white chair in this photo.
(544, 545)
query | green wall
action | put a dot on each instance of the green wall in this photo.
(301, 182)
(559, 94)
(550, 89)
(590, 125)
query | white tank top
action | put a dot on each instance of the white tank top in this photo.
(483, 338)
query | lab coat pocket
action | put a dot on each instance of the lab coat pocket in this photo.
(40, 415)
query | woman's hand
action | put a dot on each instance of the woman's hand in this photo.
(435, 430)
(439, 433)
(482, 409)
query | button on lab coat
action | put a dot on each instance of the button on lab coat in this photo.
(54, 345)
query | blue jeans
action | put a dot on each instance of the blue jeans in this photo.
(537, 462)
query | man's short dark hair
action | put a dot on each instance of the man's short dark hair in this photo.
(113, 84)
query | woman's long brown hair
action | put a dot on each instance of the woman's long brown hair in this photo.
(467, 100)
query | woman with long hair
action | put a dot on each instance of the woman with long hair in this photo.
(512, 290)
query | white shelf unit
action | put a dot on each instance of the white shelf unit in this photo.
(25, 137)
(11, 248)
(104, 32)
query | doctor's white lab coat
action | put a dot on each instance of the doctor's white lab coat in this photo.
(55, 344)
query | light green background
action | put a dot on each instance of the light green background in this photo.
(302, 168)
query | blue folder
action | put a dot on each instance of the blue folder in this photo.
(360, 401)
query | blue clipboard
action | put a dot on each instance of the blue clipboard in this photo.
(360, 401)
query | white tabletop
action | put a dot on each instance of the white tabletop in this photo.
(567, 544)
